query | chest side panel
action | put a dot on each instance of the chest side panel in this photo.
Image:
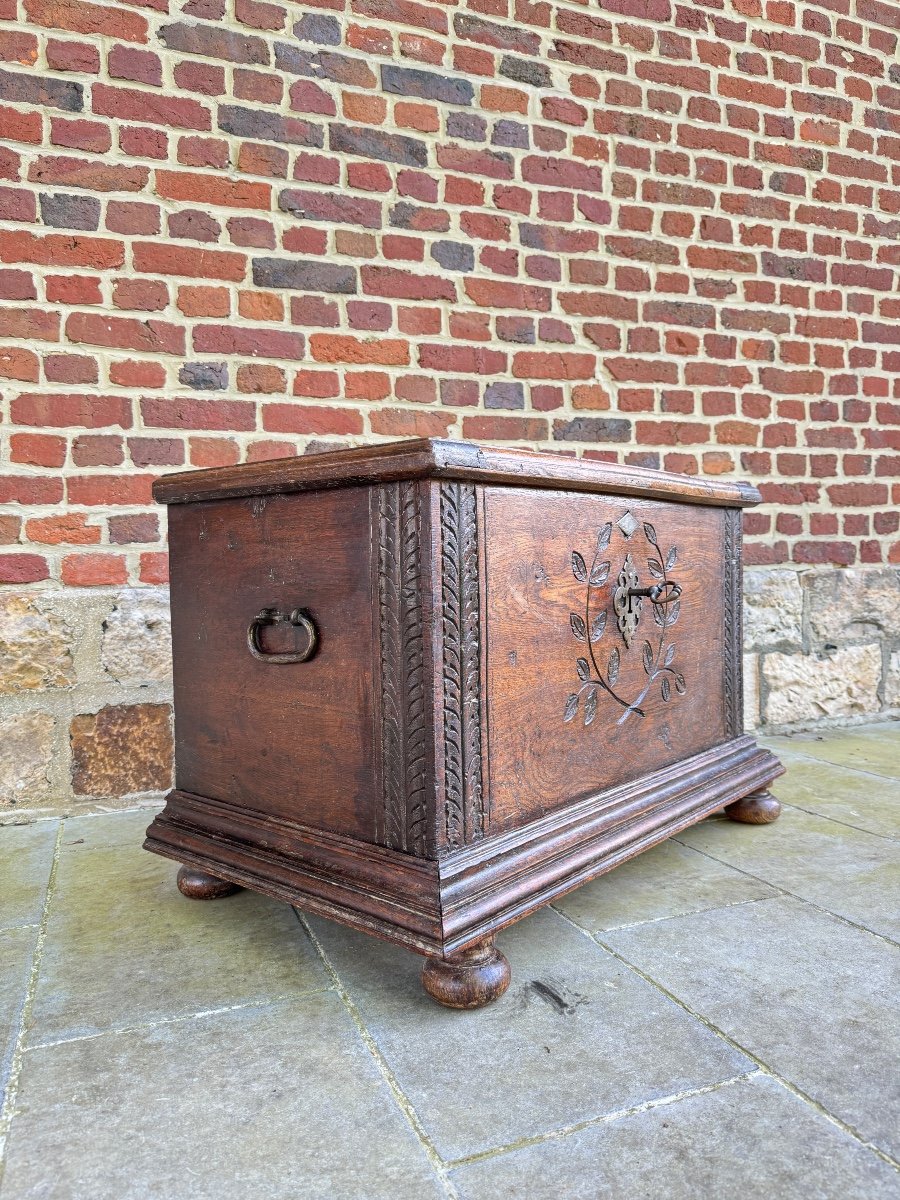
(590, 684)
(294, 740)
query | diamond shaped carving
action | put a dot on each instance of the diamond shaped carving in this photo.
(627, 524)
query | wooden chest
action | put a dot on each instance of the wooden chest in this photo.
(426, 687)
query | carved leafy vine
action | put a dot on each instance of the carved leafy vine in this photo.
(590, 627)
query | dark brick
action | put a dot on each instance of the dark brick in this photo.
(35, 89)
(204, 376)
(519, 330)
(511, 133)
(407, 81)
(372, 143)
(304, 276)
(525, 72)
(140, 527)
(592, 429)
(501, 37)
(296, 61)
(70, 212)
(331, 207)
(454, 256)
(264, 126)
(467, 126)
(811, 269)
(198, 226)
(351, 72)
(312, 27)
(418, 218)
(210, 42)
(324, 64)
(504, 395)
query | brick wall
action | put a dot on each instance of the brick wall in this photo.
(661, 233)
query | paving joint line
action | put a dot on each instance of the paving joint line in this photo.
(177, 1019)
(403, 1102)
(7, 1110)
(761, 1065)
(796, 896)
(825, 762)
(619, 1114)
(811, 812)
(671, 916)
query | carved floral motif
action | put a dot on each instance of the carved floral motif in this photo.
(589, 628)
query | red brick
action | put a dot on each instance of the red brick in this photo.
(125, 333)
(71, 410)
(159, 258)
(78, 16)
(23, 568)
(306, 419)
(94, 570)
(211, 190)
(129, 104)
(60, 250)
(71, 529)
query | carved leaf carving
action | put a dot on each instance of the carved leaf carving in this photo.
(655, 568)
(612, 667)
(584, 671)
(603, 537)
(590, 706)
(650, 533)
(579, 569)
(578, 626)
(671, 558)
(597, 626)
(402, 823)
(647, 656)
(465, 817)
(600, 574)
(680, 685)
(670, 654)
(571, 707)
(664, 688)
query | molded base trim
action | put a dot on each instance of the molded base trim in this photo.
(442, 906)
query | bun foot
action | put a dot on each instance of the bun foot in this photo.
(470, 978)
(197, 885)
(759, 808)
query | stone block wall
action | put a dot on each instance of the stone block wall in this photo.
(661, 233)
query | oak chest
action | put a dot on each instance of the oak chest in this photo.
(426, 687)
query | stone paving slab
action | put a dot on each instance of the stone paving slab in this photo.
(577, 1035)
(810, 996)
(124, 946)
(26, 858)
(281, 1102)
(752, 1138)
(874, 749)
(851, 873)
(854, 798)
(16, 956)
(632, 893)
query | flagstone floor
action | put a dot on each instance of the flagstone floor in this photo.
(718, 1018)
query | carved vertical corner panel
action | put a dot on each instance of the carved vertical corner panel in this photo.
(465, 817)
(402, 817)
(733, 639)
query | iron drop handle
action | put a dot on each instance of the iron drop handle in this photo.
(272, 616)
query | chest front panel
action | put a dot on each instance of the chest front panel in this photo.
(590, 683)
